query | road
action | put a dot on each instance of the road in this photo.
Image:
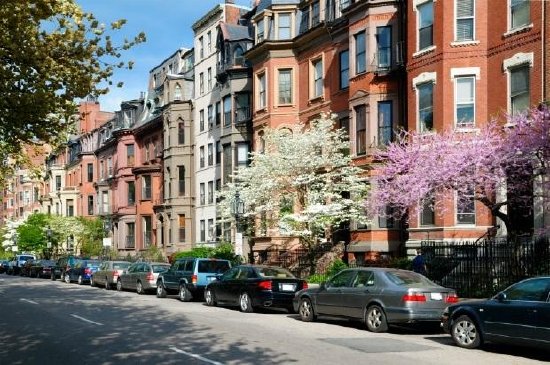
(45, 322)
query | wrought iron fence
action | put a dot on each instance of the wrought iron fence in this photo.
(481, 269)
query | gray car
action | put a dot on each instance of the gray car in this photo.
(108, 273)
(377, 296)
(141, 276)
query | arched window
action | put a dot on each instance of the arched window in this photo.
(238, 58)
(177, 92)
(261, 142)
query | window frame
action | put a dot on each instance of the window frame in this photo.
(317, 87)
(419, 88)
(360, 42)
(419, 29)
(385, 127)
(471, 18)
(289, 27)
(280, 90)
(457, 102)
(344, 72)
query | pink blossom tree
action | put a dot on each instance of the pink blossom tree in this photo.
(483, 163)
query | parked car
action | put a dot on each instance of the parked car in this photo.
(251, 286)
(377, 296)
(26, 268)
(520, 314)
(141, 276)
(82, 271)
(18, 262)
(108, 273)
(41, 268)
(189, 276)
(62, 265)
(4, 264)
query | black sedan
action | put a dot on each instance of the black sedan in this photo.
(251, 286)
(518, 315)
(377, 296)
(41, 268)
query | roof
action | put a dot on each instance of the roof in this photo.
(264, 4)
(234, 32)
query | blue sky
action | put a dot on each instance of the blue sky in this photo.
(167, 26)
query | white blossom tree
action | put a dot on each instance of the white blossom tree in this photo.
(304, 180)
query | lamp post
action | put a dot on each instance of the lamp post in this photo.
(237, 209)
(49, 242)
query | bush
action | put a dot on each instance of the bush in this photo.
(317, 278)
(335, 267)
(223, 252)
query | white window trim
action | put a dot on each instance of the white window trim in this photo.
(420, 2)
(519, 59)
(474, 27)
(465, 71)
(455, 77)
(292, 85)
(511, 30)
(422, 51)
(423, 78)
(291, 29)
(312, 62)
(257, 96)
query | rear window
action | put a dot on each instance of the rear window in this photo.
(407, 278)
(217, 267)
(274, 272)
(25, 258)
(121, 265)
(160, 268)
(93, 263)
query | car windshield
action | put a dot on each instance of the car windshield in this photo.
(93, 263)
(121, 265)
(160, 268)
(218, 267)
(408, 278)
(274, 272)
(26, 258)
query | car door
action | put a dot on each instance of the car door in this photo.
(222, 287)
(127, 277)
(542, 318)
(514, 313)
(355, 296)
(329, 298)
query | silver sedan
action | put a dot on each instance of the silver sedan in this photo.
(377, 296)
(141, 276)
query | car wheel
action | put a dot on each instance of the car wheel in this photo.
(92, 282)
(375, 319)
(53, 276)
(67, 278)
(161, 292)
(465, 332)
(80, 281)
(139, 288)
(209, 297)
(118, 285)
(107, 285)
(184, 293)
(306, 310)
(245, 303)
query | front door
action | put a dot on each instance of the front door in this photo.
(329, 298)
(355, 297)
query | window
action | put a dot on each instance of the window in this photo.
(181, 133)
(242, 155)
(201, 83)
(201, 48)
(209, 41)
(210, 116)
(383, 38)
(534, 290)
(202, 230)
(360, 53)
(465, 101)
(284, 26)
(209, 79)
(177, 92)
(130, 157)
(70, 208)
(146, 187)
(315, 16)
(218, 113)
(260, 30)
(218, 152)
(181, 224)
(109, 167)
(210, 192)
(90, 205)
(425, 25)
(464, 20)
(466, 208)
(425, 106)
(519, 13)
(90, 168)
(385, 122)
(304, 23)
(285, 86)
(147, 231)
(57, 183)
(201, 120)
(262, 101)
(361, 129)
(130, 235)
(427, 214)
(317, 78)
(341, 280)
(210, 154)
(181, 180)
(131, 193)
(201, 156)
(386, 221)
(227, 111)
(344, 69)
(201, 193)
(519, 88)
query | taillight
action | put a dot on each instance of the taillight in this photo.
(304, 285)
(451, 298)
(414, 297)
(265, 285)
(150, 277)
(87, 271)
(115, 274)
(194, 279)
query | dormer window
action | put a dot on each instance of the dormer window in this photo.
(284, 31)
(260, 31)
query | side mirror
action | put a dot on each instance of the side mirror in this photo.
(501, 297)
(323, 285)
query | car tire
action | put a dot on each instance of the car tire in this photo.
(107, 285)
(53, 276)
(465, 333)
(92, 282)
(67, 278)
(306, 310)
(139, 288)
(209, 297)
(161, 292)
(118, 285)
(79, 280)
(184, 294)
(245, 303)
(375, 318)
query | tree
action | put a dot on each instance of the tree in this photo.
(480, 163)
(51, 53)
(91, 237)
(304, 182)
(31, 235)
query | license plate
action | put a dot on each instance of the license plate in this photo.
(288, 287)
(436, 296)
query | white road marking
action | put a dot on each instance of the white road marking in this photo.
(195, 356)
(28, 301)
(86, 320)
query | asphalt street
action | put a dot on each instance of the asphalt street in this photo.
(45, 322)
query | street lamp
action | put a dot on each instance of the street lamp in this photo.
(237, 208)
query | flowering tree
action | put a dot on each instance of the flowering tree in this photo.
(303, 180)
(479, 163)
